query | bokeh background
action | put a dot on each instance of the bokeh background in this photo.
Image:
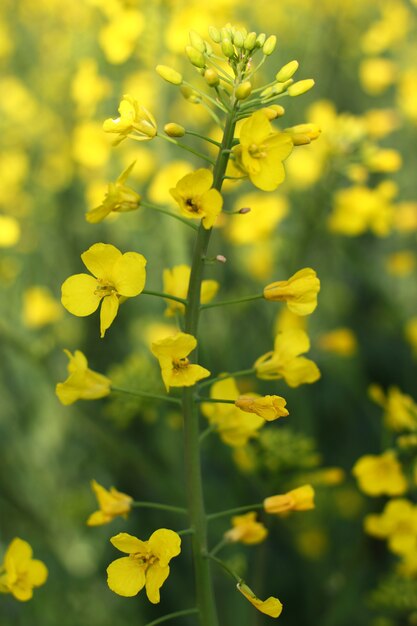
(348, 208)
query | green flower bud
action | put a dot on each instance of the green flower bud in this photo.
(250, 42)
(215, 34)
(300, 87)
(196, 57)
(168, 74)
(273, 111)
(212, 77)
(260, 40)
(287, 71)
(269, 45)
(190, 95)
(196, 41)
(238, 39)
(227, 48)
(174, 130)
(226, 33)
(243, 91)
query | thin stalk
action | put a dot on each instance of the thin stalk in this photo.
(215, 400)
(167, 296)
(211, 305)
(161, 507)
(147, 205)
(206, 432)
(145, 394)
(226, 568)
(239, 509)
(216, 103)
(195, 134)
(187, 148)
(210, 381)
(165, 618)
(222, 543)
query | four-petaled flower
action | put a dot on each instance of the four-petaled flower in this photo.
(299, 499)
(246, 529)
(271, 606)
(196, 198)
(176, 369)
(397, 523)
(19, 573)
(134, 118)
(82, 383)
(147, 564)
(261, 151)
(112, 503)
(299, 292)
(380, 475)
(119, 199)
(115, 275)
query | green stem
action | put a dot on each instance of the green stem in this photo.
(161, 507)
(217, 104)
(215, 400)
(211, 305)
(165, 618)
(194, 483)
(168, 296)
(227, 569)
(239, 509)
(185, 531)
(195, 134)
(210, 381)
(188, 223)
(223, 542)
(145, 394)
(187, 148)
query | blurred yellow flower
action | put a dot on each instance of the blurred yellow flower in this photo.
(111, 502)
(299, 291)
(397, 523)
(377, 74)
(19, 573)
(87, 87)
(284, 360)
(115, 275)
(176, 281)
(400, 410)
(196, 198)
(120, 36)
(9, 231)
(268, 407)
(40, 307)
(134, 118)
(266, 212)
(261, 151)
(299, 499)
(271, 606)
(176, 369)
(147, 564)
(340, 341)
(380, 475)
(246, 529)
(82, 383)
(410, 332)
(118, 199)
(166, 177)
(401, 263)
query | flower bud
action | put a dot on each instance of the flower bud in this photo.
(238, 39)
(195, 57)
(287, 71)
(174, 130)
(196, 41)
(215, 34)
(312, 131)
(227, 48)
(260, 40)
(269, 45)
(250, 42)
(243, 91)
(300, 87)
(168, 74)
(212, 77)
(220, 258)
(190, 95)
(273, 111)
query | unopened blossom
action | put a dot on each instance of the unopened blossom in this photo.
(111, 504)
(299, 499)
(271, 606)
(134, 118)
(196, 198)
(397, 523)
(284, 361)
(176, 369)
(119, 199)
(115, 276)
(147, 564)
(19, 572)
(176, 280)
(246, 529)
(82, 383)
(379, 475)
(299, 291)
(261, 151)
(268, 407)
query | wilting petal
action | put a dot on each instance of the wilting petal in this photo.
(126, 576)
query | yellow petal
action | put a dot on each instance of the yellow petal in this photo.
(165, 544)
(187, 376)
(156, 575)
(129, 544)
(100, 259)
(126, 576)
(129, 275)
(176, 346)
(300, 371)
(98, 518)
(108, 312)
(22, 592)
(195, 184)
(291, 343)
(255, 129)
(272, 606)
(37, 573)
(18, 554)
(78, 295)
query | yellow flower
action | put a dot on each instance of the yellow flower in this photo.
(82, 383)
(246, 529)
(380, 475)
(134, 118)
(397, 523)
(40, 307)
(268, 407)
(115, 275)
(196, 198)
(284, 361)
(118, 199)
(299, 292)
(271, 606)
(147, 563)
(176, 282)
(176, 369)
(19, 573)
(340, 341)
(299, 499)
(400, 410)
(261, 151)
(234, 426)
(112, 503)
